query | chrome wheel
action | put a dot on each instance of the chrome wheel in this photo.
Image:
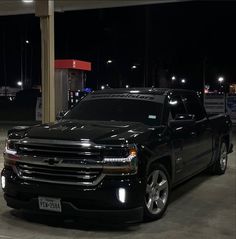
(157, 191)
(223, 157)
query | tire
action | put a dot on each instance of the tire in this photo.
(220, 165)
(157, 193)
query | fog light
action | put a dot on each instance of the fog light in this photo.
(3, 182)
(122, 195)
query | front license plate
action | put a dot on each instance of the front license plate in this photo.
(50, 204)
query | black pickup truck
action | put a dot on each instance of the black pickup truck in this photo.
(117, 154)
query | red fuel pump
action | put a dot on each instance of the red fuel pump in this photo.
(70, 80)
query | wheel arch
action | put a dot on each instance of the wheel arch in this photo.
(226, 139)
(166, 161)
(223, 138)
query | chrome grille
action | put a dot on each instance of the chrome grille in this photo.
(60, 175)
(59, 151)
(70, 163)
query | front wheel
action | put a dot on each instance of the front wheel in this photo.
(157, 193)
(220, 165)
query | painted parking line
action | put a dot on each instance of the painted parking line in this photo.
(7, 237)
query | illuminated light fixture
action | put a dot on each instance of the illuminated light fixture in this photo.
(102, 87)
(122, 195)
(27, 42)
(133, 152)
(173, 102)
(113, 136)
(221, 79)
(173, 78)
(121, 165)
(27, 1)
(133, 67)
(85, 144)
(19, 83)
(127, 86)
(3, 182)
(183, 81)
(134, 91)
(10, 152)
(109, 61)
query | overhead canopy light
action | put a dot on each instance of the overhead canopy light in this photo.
(27, 1)
(109, 61)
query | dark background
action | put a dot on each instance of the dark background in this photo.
(165, 39)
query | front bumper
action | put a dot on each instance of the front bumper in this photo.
(97, 202)
(125, 215)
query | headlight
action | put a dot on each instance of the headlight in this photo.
(10, 152)
(10, 146)
(122, 165)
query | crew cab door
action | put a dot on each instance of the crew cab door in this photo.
(183, 138)
(201, 133)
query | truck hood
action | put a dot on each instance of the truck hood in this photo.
(95, 131)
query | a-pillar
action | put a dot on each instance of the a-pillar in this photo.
(45, 10)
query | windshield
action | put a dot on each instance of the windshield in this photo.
(129, 110)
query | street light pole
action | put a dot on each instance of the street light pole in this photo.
(204, 78)
(146, 47)
(221, 80)
(21, 60)
(4, 61)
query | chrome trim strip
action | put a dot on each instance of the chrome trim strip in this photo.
(27, 167)
(29, 149)
(93, 183)
(54, 143)
(64, 162)
(29, 172)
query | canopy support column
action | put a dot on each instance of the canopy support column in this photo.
(45, 10)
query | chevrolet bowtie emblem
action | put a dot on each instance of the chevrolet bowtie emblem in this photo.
(52, 161)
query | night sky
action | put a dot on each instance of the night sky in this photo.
(174, 39)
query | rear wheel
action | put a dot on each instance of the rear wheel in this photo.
(157, 193)
(220, 165)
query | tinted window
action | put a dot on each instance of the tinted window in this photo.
(117, 110)
(176, 106)
(194, 106)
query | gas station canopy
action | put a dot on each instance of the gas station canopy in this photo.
(16, 7)
(44, 9)
(73, 64)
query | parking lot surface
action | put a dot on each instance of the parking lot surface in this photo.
(203, 207)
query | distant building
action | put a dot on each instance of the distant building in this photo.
(8, 91)
(232, 88)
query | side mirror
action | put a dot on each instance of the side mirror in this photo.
(60, 115)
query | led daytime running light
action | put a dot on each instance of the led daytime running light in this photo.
(132, 154)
